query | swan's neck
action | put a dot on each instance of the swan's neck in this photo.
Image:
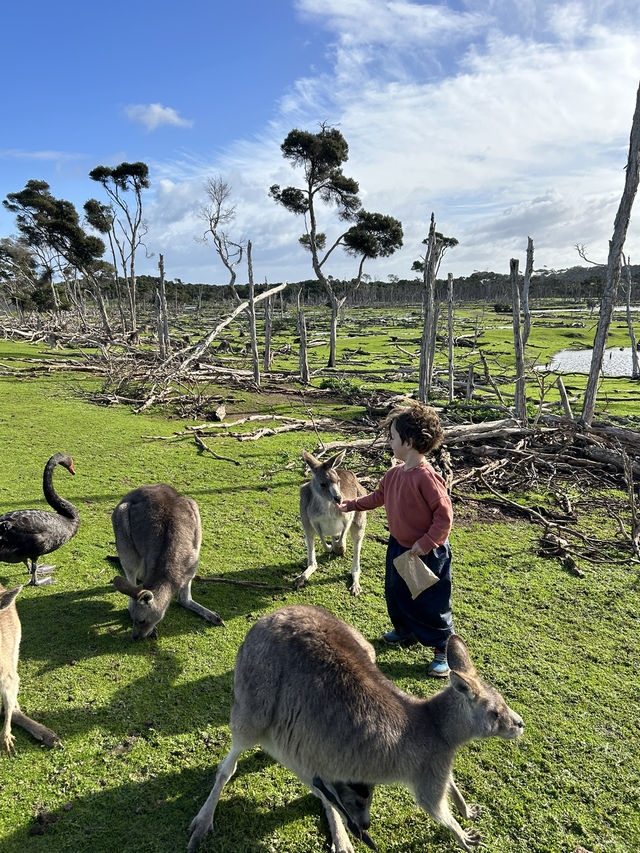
(54, 500)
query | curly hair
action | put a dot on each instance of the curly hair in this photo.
(417, 425)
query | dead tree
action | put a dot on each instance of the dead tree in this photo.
(164, 347)
(252, 318)
(616, 246)
(266, 361)
(436, 244)
(521, 399)
(302, 353)
(217, 215)
(450, 330)
(635, 362)
(525, 292)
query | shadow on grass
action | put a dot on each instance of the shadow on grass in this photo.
(154, 814)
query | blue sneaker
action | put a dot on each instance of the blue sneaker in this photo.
(393, 638)
(439, 668)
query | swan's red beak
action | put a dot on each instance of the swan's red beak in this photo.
(71, 468)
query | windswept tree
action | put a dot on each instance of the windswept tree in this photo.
(217, 215)
(121, 220)
(372, 235)
(18, 272)
(46, 221)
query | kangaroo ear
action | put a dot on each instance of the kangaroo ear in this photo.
(125, 586)
(145, 596)
(311, 461)
(8, 596)
(458, 656)
(335, 460)
(465, 684)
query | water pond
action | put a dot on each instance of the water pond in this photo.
(616, 362)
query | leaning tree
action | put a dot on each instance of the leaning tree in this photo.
(372, 235)
(44, 220)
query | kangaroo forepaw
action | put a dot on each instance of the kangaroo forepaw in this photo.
(7, 744)
(356, 589)
(472, 839)
(474, 811)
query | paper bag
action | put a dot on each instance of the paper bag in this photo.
(414, 573)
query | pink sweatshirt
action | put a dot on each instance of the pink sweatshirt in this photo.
(417, 505)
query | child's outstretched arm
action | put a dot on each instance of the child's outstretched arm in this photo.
(370, 501)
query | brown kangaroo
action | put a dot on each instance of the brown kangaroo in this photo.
(158, 534)
(319, 513)
(307, 689)
(10, 634)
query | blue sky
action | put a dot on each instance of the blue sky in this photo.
(507, 119)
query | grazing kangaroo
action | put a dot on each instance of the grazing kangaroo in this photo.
(10, 633)
(158, 536)
(319, 513)
(307, 689)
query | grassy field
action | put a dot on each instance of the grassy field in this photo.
(144, 724)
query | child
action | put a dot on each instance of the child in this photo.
(419, 514)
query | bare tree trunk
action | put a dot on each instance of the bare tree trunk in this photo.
(521, 399)
(525, 292)
(635, 364)
(252, 318)
(564, 399)
(164, 345)
(333, 332)
(470, 384)
(616, 246)
(266, 363)
(199, 303)
(302, 354)
(94, 285)
(450, 332)
(426, 356)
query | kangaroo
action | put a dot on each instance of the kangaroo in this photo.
(329, 486)
(307, 689)
(10, 633)
(158, 535)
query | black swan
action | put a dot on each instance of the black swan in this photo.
(26, 534)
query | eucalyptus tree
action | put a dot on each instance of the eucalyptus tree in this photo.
(122, 219)
(44, 220)
(18, 272)
(217, 215)
(321, 156)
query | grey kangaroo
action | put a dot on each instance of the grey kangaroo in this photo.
(10, 634)
(329, 486)
(307, 689)
(158, 535)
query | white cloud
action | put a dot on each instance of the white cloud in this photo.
(153, 116)
(22, 154)
(502, 135)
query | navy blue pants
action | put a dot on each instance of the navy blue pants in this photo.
(428, 617)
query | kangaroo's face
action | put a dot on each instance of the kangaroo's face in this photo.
(327, 482)
(494, 718)
(144, 615)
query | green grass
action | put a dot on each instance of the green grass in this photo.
(144, 724)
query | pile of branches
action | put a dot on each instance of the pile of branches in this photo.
(571, 463)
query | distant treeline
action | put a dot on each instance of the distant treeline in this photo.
(575, 283)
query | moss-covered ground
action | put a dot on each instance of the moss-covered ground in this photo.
(144, 724)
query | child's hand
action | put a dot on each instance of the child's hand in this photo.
(343, 507)
(416, 549)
